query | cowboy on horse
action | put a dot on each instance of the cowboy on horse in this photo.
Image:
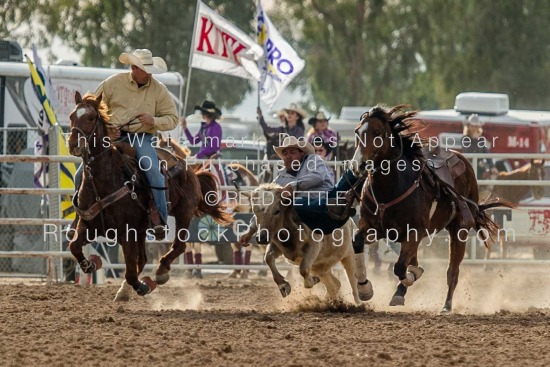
(139, 107)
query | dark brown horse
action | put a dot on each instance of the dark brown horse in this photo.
(113, 198)
(533, 171)
(401, 186)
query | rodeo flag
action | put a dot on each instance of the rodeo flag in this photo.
(47, 119)
(221, 47)
(280, 63)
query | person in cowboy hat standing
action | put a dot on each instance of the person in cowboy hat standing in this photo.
(210, 133)
(144, 106)
(320, 133)
(472, 142)
(294, 125)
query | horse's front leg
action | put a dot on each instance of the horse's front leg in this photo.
(407, 270)
(132, 256)
(311, 251)
(271, 254)
(78, 241)
(183, 219)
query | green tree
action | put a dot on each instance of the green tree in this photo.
(421, 52)
(100, 30)
(358, 52)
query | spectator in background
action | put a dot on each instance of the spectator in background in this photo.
(324, 151)
(472, 143)
(272, 140)
(320, 133)
(294, 125)
(210, 137)
(210, 133)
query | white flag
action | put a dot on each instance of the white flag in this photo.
(280, 63)
(223, 48)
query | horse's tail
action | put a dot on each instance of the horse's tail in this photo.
(484, 221)
(210, 202)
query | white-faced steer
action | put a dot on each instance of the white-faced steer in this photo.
(314, 252)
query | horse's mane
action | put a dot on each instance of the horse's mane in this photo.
(517, 172)
(404, 127)
(101, 107)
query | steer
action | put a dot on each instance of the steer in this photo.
(314, 252)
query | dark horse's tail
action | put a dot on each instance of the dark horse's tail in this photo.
(210, 199)
(483, 220)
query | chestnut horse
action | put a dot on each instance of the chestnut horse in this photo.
(113, 198)
(402, 185)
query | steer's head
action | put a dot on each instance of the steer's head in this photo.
(271, 204)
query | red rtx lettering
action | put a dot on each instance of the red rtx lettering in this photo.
(217, 42)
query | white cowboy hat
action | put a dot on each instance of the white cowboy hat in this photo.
(319, 116)
(143, 59)
(293, 142)
(294, 107)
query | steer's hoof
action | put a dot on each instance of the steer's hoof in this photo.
(365, 291)
(285, 289)
(309, 283)
(397, 301)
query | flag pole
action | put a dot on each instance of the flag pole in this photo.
(190, 60)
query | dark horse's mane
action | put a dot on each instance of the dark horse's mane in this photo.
(404, 128)
(100, 106)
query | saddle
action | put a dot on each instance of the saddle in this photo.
(446, 166)
(170, 166)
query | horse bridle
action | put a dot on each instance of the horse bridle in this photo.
(87, 137)
(377, 150)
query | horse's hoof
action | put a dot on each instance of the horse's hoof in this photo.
(416, 270)
(446, 311)
(96, 260)
(162, 278)
(309, 284)
(233, 274)
(397, 301)
(284, 289)
(150, 283)
(365, 291)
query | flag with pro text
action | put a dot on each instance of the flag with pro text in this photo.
(280, 63)
(223, 48)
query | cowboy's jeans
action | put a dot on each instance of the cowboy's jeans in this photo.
(147, 162)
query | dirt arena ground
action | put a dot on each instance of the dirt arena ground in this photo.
(502, 318)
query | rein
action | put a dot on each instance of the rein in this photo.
(102, 203)
(381, 207)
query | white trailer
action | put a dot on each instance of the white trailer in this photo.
(19, 106)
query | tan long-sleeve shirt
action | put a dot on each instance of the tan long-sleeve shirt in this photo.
(126, 100)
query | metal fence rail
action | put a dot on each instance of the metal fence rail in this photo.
(51, 256)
